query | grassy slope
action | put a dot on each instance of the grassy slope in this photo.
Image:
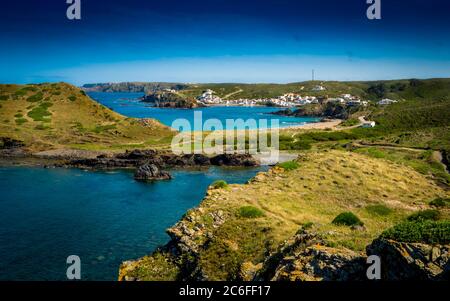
(373, 90)
(420, 121)
(324, 185)
(61, 115)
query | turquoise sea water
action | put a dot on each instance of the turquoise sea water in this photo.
(128, 104)
(103, 217)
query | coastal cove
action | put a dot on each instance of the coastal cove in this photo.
(104, 217)
(128, 104)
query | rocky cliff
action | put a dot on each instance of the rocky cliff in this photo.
(170, 99)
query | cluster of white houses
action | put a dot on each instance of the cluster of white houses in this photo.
(209, 97)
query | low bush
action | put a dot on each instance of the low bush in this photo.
(36, 97)
(350, 122)
(20, 121)
(250, 212)
(289, 165)
(420, 231)
(102, 128)
(219, 184)
(307, 225)
(40, 112)
(429, 214)
(72, 98)
(42, 127)
(379, 209)
(347, 219)
(440, 202)
(20, 92)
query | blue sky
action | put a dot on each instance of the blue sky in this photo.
(222, 41)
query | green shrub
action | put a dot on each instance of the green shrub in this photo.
(250, 212)
(18, 115)
(20, 92)
(301, 145)
(379, 209)
(420, 231)
(72, 98)
(289, 143)
(429, 214)
(289, 165)
(347, 219)
(36, 97)
(219, 184)
(4, 97)
(376, 153)
(20, 121)
(40, 112)
(32, 89)
(101, 128)
(440, 202)
(307, 225)
(350, 122)
(42, 127)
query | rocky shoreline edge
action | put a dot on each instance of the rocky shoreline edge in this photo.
(149, 164)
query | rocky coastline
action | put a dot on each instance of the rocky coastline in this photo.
(170, 99)
(149, 164)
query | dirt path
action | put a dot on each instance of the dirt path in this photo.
(233, 93)
(437, 155)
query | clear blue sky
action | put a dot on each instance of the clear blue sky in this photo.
(222, 41)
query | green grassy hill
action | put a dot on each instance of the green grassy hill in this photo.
(60, 115)
(410, 89)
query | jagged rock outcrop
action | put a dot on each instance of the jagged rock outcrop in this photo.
(135, 158)
(411, 261)
(9, 143)
(305, 257)
(11, 147)
(150, 172)
(234, 160)
(170, 99)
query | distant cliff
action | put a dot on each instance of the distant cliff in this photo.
(170, 99)
(132, 87)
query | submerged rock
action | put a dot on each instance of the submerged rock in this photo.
(151, 172)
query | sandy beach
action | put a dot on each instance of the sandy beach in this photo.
(329, 124)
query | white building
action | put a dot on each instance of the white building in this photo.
(346, 96)
(354, 102)
(386, 101)
(319, 88)
(209, 97)
(369, 124)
